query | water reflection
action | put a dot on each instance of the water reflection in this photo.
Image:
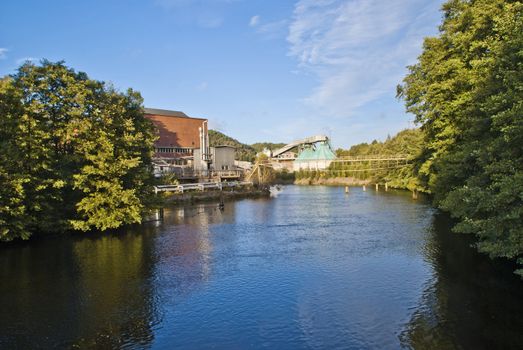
(470, 303)
(312, 268)
(63, 292)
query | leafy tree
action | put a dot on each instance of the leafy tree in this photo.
(75, 153)
(466, 91)
(13, 215)
(409, 143)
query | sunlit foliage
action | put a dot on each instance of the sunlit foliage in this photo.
(466, 91)
(74, 153)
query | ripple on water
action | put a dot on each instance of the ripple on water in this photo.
(310, 269)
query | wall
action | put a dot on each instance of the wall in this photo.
(179, 132)
(223, 158)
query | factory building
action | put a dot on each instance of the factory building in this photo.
(178, 135)
(183, 148)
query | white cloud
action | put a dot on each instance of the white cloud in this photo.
(3, 53)
(358, 49)
(269, 30)
(273, 29)
(255, 20)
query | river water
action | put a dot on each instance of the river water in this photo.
(311, 269)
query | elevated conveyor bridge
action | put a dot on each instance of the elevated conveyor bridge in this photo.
(306, 141)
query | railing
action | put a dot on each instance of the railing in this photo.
(187, 172)
(196, 174)
(369, 158)
(202, 186)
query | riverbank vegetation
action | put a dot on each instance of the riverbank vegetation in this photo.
(407, 143)
(466, 92)
(74, 153)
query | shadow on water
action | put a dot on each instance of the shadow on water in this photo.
(471, 302)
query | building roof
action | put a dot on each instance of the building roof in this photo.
(167, 113)
(175, 129)
(322, 151)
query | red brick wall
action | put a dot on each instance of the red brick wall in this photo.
(176, 132)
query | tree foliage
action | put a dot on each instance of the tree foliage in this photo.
(243, 151)
(466, 91)
(260, 146)
(408, 143)
(75, 153)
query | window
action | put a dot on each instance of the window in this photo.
(179, 150)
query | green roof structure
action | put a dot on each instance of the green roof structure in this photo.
(322, 151)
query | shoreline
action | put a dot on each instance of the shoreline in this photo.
(333, 181)
(210, 196)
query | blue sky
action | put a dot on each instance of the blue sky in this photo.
(259, 70)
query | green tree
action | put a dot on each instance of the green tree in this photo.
(466, 91)
(77, 153)
(13, 213)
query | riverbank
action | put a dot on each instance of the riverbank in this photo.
(215, 195)
(332, 181)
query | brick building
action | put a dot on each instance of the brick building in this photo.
(183, 148)
(179, 135)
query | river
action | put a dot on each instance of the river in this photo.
(313, 268)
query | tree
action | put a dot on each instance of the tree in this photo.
(13, 214)
(77, 152)
(466, 91)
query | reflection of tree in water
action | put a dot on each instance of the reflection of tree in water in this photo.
(117, 290)
(471, 302)
(87, 292)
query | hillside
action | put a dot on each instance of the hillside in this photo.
(243, 151)
(406, 142)
(260, 146)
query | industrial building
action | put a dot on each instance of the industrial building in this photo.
(178, 135)
(315, 157)
(311, 153)
(183, 148)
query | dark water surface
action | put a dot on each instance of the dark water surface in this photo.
(311, 269)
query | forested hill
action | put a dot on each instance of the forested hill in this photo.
(243, 151)
(408, 142)
(260, 146)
